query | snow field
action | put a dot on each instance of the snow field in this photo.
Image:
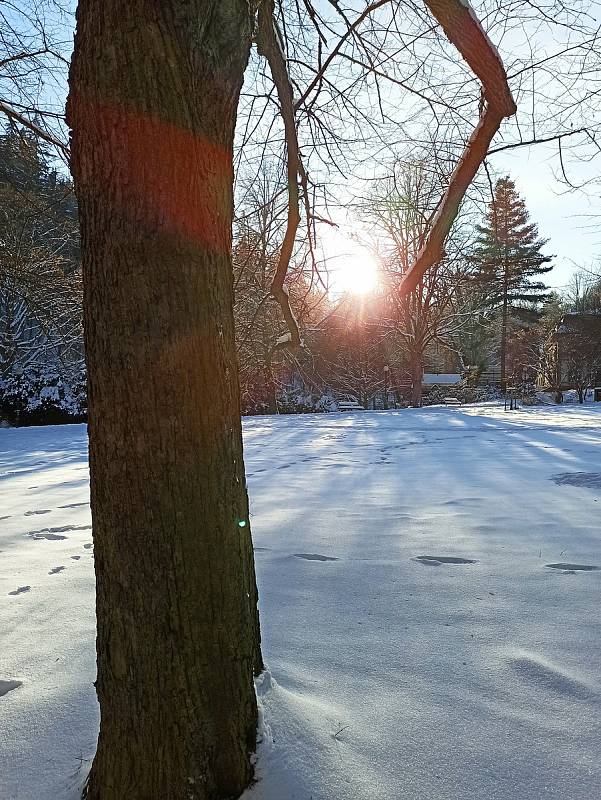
(429, 595)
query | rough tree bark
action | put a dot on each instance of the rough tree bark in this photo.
(153, 95)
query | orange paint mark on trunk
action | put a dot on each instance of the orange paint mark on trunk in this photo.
(159, 175)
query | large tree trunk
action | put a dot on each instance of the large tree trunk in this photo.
(153, 95)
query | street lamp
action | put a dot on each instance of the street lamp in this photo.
(386, 371)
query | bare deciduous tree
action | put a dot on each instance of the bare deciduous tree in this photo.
(433, 312)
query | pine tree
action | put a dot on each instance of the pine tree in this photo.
(508, 255)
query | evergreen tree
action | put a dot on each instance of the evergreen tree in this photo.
(508, 256)
(40, 292)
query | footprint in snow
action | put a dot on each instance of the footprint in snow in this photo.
(573, 568)
(56, 533)
(314, 557)
(20, 590)
(56, 570)
(436, 561)
(40, 511)
(590, 480)
(8, 686)
(75, 558)
(87, 546)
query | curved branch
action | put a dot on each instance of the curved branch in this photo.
(269, 46)
(463, 29)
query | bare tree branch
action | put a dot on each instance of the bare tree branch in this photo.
(541, 140)
(27, 123)
(464, 31)
(269, 45)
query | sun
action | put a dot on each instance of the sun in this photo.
(356, 271)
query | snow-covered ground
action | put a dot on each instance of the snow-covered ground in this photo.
(419, 643)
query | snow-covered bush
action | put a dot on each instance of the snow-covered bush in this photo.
(325, 403)
(43, 396)
(466, 394)
(570, 397)
(436, 394)
(304, 401)
(484, 394)
(291, 400)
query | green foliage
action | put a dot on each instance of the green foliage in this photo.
(507, 252)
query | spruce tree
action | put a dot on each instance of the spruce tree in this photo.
(508, 256)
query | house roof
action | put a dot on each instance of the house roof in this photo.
(579, 324)
(447, 378)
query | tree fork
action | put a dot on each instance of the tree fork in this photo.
(152, 105)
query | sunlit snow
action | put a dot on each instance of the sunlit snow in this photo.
(429, 598)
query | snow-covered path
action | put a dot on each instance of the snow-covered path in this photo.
(419, 644)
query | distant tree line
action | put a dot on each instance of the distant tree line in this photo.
(42, 375)
(483, 311)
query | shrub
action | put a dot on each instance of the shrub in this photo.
(44, 396)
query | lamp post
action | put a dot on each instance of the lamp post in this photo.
(386, 371)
